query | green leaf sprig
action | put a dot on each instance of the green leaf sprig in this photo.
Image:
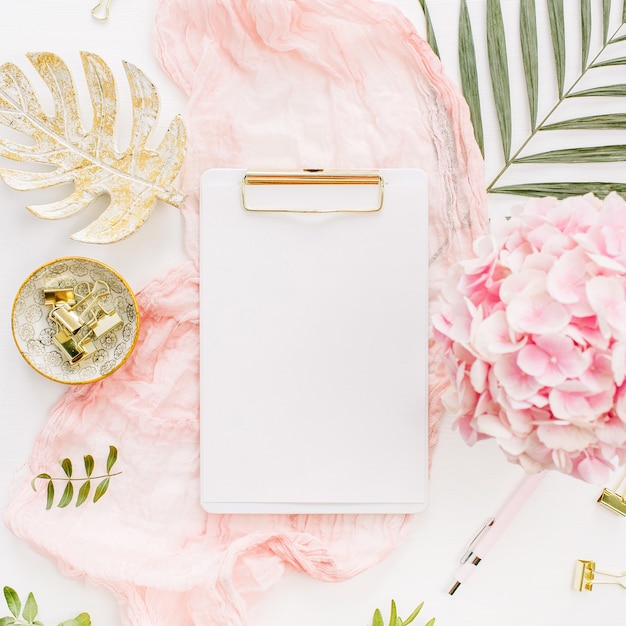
(395, 620)
(26, 614)
(556, 120)
(87, 480)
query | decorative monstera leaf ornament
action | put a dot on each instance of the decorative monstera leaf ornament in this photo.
(133, 179)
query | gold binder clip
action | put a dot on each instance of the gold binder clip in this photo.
(102, 10)
(106, 322)
(585, 576)
(56, 296)
(65, 317)
(79, 323)
(68, 344)
(313, 177)
(614, 499)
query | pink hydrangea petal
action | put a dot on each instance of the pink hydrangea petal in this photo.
(478, 375)
(533, 360)
(492, 426)
(563, 355)
(612, 431)
(515, 382)
(598, 374)
(593, 470)
(618, 362)
(566, 278)
(536, 315)
(566, 437)
(529, 281)
(493, 337)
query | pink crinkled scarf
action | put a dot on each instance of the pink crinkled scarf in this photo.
(298, 83)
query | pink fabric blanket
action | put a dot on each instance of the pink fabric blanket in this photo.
(282, 83)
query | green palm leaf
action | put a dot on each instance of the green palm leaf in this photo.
(430, 32)
(469, 74)
(540, 88)
(499, 71)
(585, 30)
(609, 91)
(528, 36)
(557, 29)
(606, 16)
(562, 189)
(592, 122)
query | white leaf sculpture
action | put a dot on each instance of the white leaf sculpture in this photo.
(134, 179)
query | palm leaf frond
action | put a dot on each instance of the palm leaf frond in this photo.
(469, 74)
(585, 30)
(530, 58)
(557, 30)
(499, 71)
(430, 31)
(542, 82)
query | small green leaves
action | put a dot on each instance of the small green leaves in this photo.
(112, 457)
(83, 492)
(13, 601)
(101, 489)
(395, 620)
(30, 611)
(89, 464)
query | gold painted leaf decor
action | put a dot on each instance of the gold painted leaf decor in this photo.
(133, 179)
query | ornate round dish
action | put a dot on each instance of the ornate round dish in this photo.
(75, 320)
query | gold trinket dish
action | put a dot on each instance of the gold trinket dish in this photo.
(75, 320)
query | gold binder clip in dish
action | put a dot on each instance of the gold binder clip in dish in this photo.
(586, 573)
(614, 499)
(312, 177)
(52, 297)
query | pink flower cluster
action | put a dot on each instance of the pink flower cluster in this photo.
(534, 335)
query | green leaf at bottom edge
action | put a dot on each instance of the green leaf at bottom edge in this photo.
(13, 601)
(80, 620)
(30, 609)
(378, 618)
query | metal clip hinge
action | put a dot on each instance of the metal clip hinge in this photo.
(585, 576)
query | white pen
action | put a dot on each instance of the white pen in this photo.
(494, 527)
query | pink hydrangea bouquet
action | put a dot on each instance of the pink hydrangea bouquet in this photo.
(533, 331)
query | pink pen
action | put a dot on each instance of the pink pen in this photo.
(491, 531)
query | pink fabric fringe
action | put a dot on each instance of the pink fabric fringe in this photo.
(304, 83)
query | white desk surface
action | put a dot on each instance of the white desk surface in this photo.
(526, 579)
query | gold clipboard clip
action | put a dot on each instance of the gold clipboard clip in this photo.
(585, 576)
(614, 499)
(313, 177)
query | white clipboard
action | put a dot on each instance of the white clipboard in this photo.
(314, 341)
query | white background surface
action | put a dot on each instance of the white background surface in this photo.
(526, 579)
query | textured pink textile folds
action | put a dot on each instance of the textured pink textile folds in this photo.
(280, 83)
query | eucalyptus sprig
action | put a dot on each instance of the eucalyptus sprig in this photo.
(26, 615)
(69, 479)
(545, 75)
(396, 620)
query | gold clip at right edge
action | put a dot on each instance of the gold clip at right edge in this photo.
(614, 499)
(585, 576)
